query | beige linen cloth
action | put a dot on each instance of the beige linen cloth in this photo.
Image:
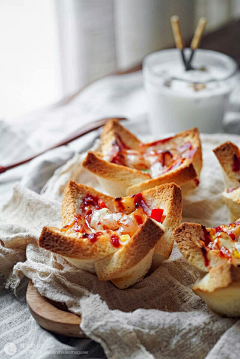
(159, 317)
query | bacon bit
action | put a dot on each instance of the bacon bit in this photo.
(236, 163)
(90, 200)
(207, 238)
(140, 202)
(166, 155)
(118, 159)
(204, 243)
(116, 154)
(120, 204)
(157, 214)
(93, 237)
(122, 145)
(115, 240)
(204, 252)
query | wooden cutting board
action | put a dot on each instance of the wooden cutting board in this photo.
(53, 316)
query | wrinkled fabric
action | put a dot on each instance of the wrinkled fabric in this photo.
(159, 317)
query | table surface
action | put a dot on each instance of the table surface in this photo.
(225, 40)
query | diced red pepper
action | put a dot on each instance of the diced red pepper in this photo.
(101, 204)
(232, 235)
(157, 214)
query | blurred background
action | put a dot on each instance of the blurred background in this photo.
(52, 48)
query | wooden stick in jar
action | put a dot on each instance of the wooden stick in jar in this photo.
(178, 36)
(177, 32)
(198, 33)
(196, 39)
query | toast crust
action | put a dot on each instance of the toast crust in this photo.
(120, 180)
(128, 263)
(70, 246)
(181, 176)
(225, 154)
(190, 241)
(112, 129)
(219, 284)
(169, 198)
(114, 178)
(220, 289)
(132, 253)
(73, 196)
(228, 155)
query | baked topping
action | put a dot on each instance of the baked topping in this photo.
(236, 163)
(153, 158)
(157, 214)
(94, 219)
(224, 240)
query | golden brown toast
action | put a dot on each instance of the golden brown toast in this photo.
(116, 238)
(126, 166)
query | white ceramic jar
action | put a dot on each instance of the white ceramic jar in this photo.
(180, 99)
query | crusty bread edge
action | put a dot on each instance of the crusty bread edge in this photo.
(181, 175)
(225, 153)
(110, 129)
(220, 289)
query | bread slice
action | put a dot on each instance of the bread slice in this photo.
(220, 289)
(113, 178)
(232, 200)
(184, 176)
(111, 131)
(127, 263)
(190, 238)
(213, 252)
(228, 155)
(131, 263)
(120, 180)
(168, 197)
(73, 196)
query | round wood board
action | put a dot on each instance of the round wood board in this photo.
(53, 316)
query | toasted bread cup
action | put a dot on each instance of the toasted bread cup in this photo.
(228, 155)
(220, 289)
(119, 177)
(168, 197)
(123, 259)
(216, 254)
